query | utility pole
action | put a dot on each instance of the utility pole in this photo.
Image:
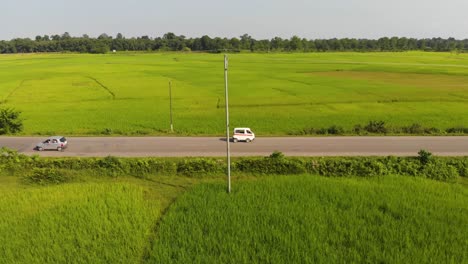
(227, 124)
(170, 104)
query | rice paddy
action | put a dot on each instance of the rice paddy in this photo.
(274, 94)
(274, 219)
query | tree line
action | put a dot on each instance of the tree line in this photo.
(172, 42)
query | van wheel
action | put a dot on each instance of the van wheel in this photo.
(235, 140)
(248, 140)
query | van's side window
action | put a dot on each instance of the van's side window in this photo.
(239, 131)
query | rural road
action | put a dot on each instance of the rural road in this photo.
(215, 146)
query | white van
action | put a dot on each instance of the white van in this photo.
(243, 134)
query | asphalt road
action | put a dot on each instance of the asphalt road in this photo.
(214, 146)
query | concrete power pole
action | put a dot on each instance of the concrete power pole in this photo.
(170, 104)
(228, 150)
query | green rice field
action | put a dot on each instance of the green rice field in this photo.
(274, 94)
(268, 219)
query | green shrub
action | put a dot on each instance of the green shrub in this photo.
(358, 129)
(110, 162)
(377, 127)
(414, 129)
(45, 176)
(274, 164)
(461, 164)
(199, 166)
(277, 155)
(151, 166)
(403, 165)
(332, 130)
(424, 156)
(11, 159)
(457, 130)
(304, 131)
(10, 122)
(106, 131)
(419, 129)
(440, 171)
(112, 165)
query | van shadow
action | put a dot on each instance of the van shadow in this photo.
(224, 139)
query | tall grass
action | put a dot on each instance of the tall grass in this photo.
(75, 223)
(274, 94)
(306, 219)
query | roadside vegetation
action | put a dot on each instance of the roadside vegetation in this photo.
(44, 171)
(381, 128)
(176, 210)
(413, 93)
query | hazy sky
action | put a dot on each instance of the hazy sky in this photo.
(259, 18)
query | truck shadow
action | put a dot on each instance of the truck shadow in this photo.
(224, 139)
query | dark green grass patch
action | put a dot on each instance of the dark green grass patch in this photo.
(308, 219)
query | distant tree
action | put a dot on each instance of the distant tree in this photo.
(206, 43)
(402, 44)
(262, 45)
(25, 45)
(66, 35)
(246, 42)
(173, 42)
(452, 44)
(56, 37)
(10, 122)
(295, 44)
(277, 44)
(169, 36)
(118, 44)
(234, 43)
(100, 47)
(394, 44)
(305, 44)
(104, 36)
(312, 46)
(384, 44)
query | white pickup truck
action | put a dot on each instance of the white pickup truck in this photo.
(243, 134)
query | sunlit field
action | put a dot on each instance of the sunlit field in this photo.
(274, 219)
(274, 94)
(80, 223)
(298, 219)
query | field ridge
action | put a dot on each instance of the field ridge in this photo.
(103, 86)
